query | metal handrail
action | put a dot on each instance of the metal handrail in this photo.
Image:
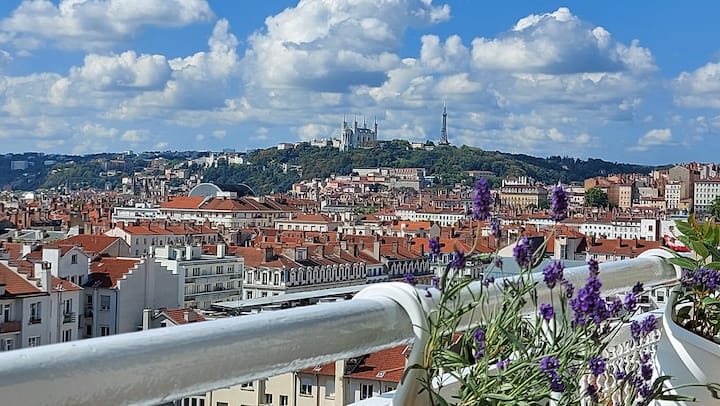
(160, 365)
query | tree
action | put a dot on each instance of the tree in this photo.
(595, 197)
(714, 209)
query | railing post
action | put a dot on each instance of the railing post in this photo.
(418, 306)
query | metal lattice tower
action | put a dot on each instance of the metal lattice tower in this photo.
(443, 131)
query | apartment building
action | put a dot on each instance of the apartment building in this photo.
(706, 191)
(142, 237)
(231, 213)
(118, 290)
(273, 272)
(36, 307)
(335, 384)
(203, 279)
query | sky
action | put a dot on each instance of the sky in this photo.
(620, 81)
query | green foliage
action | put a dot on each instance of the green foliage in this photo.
(448, 164)
(714, 209)
(698, 305)
(595, 197)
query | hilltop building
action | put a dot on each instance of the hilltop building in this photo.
(355, 136)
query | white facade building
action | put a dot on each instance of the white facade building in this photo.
(705, 192)
(203, 279)
(120, 289)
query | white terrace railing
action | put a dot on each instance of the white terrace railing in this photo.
(156, 366)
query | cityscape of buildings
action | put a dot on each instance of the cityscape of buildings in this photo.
(82, 264)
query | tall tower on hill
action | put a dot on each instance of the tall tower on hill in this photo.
(443, 131)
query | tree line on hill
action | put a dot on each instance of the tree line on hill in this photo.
(273, 170)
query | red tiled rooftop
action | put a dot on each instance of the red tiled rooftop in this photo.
(115, 268)
(16, 284)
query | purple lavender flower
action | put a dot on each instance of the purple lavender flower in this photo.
(569, 288)
(458, 261)
(630, 302)
(646, 371)
(547, 311)
(593, 267)
(410, 278)
(702, 279)
(479, 337)
(434, 246)
(597, 366)
(549, 364)
(503, 363)
(483, 200)
(556, 384)
(487, 280)
(649, 324)
(522, 252)
(615, 307)
(620, 375)
(558, 212)
(635, 330)
(645, 390)
(638, 288)
(498, 262)
(645, 358)
(496, 228)
(553, 273)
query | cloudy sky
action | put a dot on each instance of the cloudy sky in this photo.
(628, 83)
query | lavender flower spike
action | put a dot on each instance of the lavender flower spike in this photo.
(522, 252)
(558, 211)
(483, 200)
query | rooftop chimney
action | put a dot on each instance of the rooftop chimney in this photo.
(221, 250)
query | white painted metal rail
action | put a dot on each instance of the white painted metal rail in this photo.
(156, 366)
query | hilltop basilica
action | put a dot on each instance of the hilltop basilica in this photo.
(355, 136)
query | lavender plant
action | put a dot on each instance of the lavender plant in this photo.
(503, 346)
(698, 304)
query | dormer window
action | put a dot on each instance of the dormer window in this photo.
(73, 259)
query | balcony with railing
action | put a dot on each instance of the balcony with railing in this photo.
(156, 366)
(7, 327)
(69, 317)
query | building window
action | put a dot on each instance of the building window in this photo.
(104, 302)
(73, 259)
(67, 335)
(248, 295)
(104, 330)
(88, 331)
(366, 391)
(35, 313)
(284, 400)
(330, 388)
(306, 385)
(268, 398)
(246, 386)
(9, 344)
(7, 312)
(33, 341)
(222, 404)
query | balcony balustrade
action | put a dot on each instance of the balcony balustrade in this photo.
(133, 368)
(69, 317)
(10, 327)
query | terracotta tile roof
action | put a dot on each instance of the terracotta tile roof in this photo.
(178, 316)
(15, 284)
(92, 244)
(325, 370)
(628, 248)
(114, 268)
(310, 218)
(386, 365)
(182, 202)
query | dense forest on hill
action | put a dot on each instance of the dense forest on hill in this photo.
(274, 170)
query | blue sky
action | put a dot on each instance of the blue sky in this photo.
(626, 83)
